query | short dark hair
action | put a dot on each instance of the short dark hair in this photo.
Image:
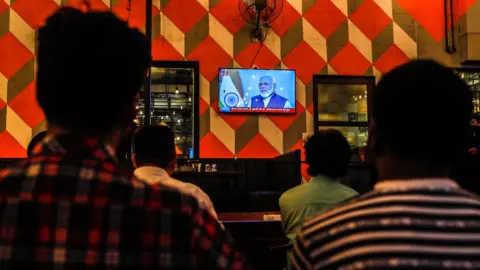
(154, 145)
(421, 111)
(90, 68)
(328, 153)
(35, 140)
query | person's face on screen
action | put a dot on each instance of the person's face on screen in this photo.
(266, 86)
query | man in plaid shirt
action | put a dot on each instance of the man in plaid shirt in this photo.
(69, 206)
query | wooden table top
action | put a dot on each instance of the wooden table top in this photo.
(246, 217)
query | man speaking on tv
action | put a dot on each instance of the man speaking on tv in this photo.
(268, 98)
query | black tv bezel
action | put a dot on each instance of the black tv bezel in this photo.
(261, 113)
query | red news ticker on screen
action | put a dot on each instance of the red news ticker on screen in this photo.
(262, 110)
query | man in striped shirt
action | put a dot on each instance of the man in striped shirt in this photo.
(416, 217)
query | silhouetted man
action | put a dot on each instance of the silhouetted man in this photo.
(154, 158)
(327, 154)
(416, 217)
(69, 206)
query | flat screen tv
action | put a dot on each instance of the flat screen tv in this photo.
(256, 90)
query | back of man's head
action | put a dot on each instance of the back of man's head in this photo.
(154, 145)
(328, 153)
(90, 68)
(421, 112)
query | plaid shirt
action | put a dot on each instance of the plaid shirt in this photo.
(70, 207)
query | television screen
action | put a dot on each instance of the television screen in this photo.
(256, 91)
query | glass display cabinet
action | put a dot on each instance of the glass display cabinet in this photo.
(341, 102)
(173, 99)
(472, 78)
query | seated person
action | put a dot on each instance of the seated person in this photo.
(415, 217)
(475, 141)
(327, 154)
(68, 206)
(154, 157)
(35, 141)
(268, 98)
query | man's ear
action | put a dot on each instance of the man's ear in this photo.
(134, 160)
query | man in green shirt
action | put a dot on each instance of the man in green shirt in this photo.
(327, 154)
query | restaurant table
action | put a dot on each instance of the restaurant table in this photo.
(257, 238)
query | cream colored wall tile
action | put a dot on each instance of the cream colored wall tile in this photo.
(315, 39)
(3, 87)
(273, 42)
(18, 128)
(404, 42)
(386, 6)
(377, 74)
(310, 123)
(222, 130)
(271, 132)
(331, 71)
(221, 35)
(342, 5)
(205, 89)
(360, 41)
(22, 31)
(301, 94)
(172, 34)
(107, 2)
(205, 4)
(296, 4)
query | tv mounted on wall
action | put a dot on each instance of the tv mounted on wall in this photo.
(256, 90)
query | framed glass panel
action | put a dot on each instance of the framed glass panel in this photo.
(357, 137)
(472, 78)
(173, 101)
(342, 102)
(172, 104)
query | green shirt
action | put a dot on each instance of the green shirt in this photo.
(309, 199)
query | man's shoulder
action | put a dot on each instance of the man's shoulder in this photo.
(346, 190)
(293, 194)
(90, 180)
(189, 189)
(347, 206)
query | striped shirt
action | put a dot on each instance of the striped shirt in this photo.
(422, 224)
